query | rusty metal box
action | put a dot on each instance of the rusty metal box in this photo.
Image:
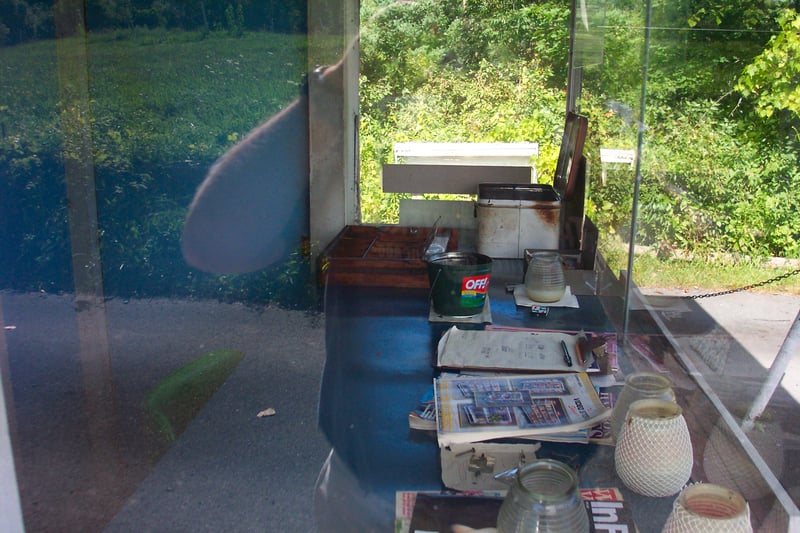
(512, 218)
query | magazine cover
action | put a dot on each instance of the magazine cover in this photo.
(431, 511)
(607, 511)
(601, 433)
(474, 409)
(440, 511)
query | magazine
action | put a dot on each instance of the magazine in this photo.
(439, 511)
(601, 433)
(607, 511)
(477, 408)
(423, 416)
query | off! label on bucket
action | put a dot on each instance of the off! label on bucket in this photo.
(474, 289)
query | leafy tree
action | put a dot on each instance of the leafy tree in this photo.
(773, 78)
(234, 19)
(25, 19)
(738, 16)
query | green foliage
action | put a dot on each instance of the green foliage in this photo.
(26, 20)
(690, 272)
(773, 78)
(176, 399)
(620, 75)
(453, 71)
(705, 188)
(403, 44)
(715, 177)
(741, 16)
(502, 103)
(234, 20)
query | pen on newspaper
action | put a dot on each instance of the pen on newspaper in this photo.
(567, 358)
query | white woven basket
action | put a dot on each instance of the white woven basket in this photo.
(709, 508)
(653, 455)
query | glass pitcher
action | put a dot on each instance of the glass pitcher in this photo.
(544, 497)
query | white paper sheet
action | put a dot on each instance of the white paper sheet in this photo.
(508, 350)
(522, 300)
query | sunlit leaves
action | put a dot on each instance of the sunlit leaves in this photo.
(773, 78)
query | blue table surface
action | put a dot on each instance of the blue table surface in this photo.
(380, 362)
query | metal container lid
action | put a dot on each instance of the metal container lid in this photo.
(515, 194)
(459, 259)
(534, 192)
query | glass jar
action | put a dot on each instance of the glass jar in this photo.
(544, 497)
(639, 386)
(544, 280)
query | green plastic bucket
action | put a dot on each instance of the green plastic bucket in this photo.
(459, 282)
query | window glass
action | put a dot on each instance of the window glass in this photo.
(144, 391)
(168, 168)
(681, 89)
(691, 160)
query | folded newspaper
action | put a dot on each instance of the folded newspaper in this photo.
(479, 408)
(521, 350)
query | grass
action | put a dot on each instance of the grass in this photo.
(156, 95)
(703, 274)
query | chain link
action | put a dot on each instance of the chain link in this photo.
(746, 287)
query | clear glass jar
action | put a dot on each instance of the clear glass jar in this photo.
(544, 497)
(639, 386)
(544, 280)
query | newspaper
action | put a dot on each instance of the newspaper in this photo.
(479, 408)
(521, 350)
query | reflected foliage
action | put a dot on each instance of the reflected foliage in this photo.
(163, 105)
(176, 399)
(25, 20)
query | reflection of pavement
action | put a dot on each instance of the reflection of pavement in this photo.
(731, 341)
(231, 467)
(84, 459)
(757, 321)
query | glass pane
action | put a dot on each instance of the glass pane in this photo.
(703, 189)
(143, 393)
(709, 191)
(691, 154)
